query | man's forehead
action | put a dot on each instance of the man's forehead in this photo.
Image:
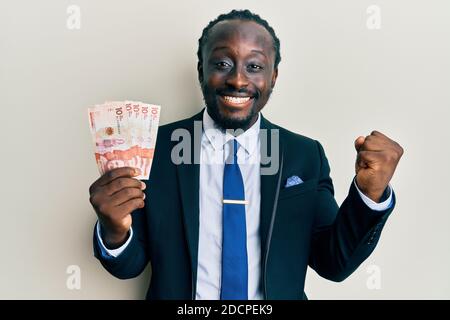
(250, 32)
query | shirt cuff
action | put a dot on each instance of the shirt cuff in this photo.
(375, 206)
(111, 253)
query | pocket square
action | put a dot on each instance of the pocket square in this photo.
(293, 181)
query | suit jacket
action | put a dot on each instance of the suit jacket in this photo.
(301, 225)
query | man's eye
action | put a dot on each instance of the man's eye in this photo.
(222, 65)
(254, 67)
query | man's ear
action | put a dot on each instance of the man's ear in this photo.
(274, 77)
(200, 72)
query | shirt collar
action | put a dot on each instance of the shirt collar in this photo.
(218, 138)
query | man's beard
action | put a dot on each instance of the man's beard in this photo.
(223, 122)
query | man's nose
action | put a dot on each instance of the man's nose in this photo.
(237, 79)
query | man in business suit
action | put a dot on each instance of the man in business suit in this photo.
(216, 225)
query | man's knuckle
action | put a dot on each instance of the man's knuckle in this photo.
(386, 156)
(392, 157)
(400, 150)
(110, 175)
(108, 189)
(103, 208)
(93, 199)
(120, 183)
(126, 192)
(139, 202)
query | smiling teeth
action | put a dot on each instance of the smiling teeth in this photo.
(236, 100)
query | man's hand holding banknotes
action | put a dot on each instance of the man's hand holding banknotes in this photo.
(124, 135)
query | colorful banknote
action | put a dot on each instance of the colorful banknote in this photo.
(124, 135)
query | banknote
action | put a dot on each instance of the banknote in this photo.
(124, 135)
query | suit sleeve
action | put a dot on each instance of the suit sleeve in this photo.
(134, 258)
(343, 237)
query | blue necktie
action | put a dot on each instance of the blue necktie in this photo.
(234, 243)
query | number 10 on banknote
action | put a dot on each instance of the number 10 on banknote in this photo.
(124, 135)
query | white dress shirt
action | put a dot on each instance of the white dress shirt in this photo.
(214, 150)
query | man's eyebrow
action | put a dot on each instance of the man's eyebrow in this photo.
(219, 48)
(253, 50)
(260, 52)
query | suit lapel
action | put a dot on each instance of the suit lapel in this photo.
(189, 181)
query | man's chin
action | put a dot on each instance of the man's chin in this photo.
(231, 119)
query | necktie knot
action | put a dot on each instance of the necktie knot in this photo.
(232, 158)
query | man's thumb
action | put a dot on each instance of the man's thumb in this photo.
(359, 142)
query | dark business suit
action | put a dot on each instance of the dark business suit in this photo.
(301, 225)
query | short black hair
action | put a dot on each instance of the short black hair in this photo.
(245, 15)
